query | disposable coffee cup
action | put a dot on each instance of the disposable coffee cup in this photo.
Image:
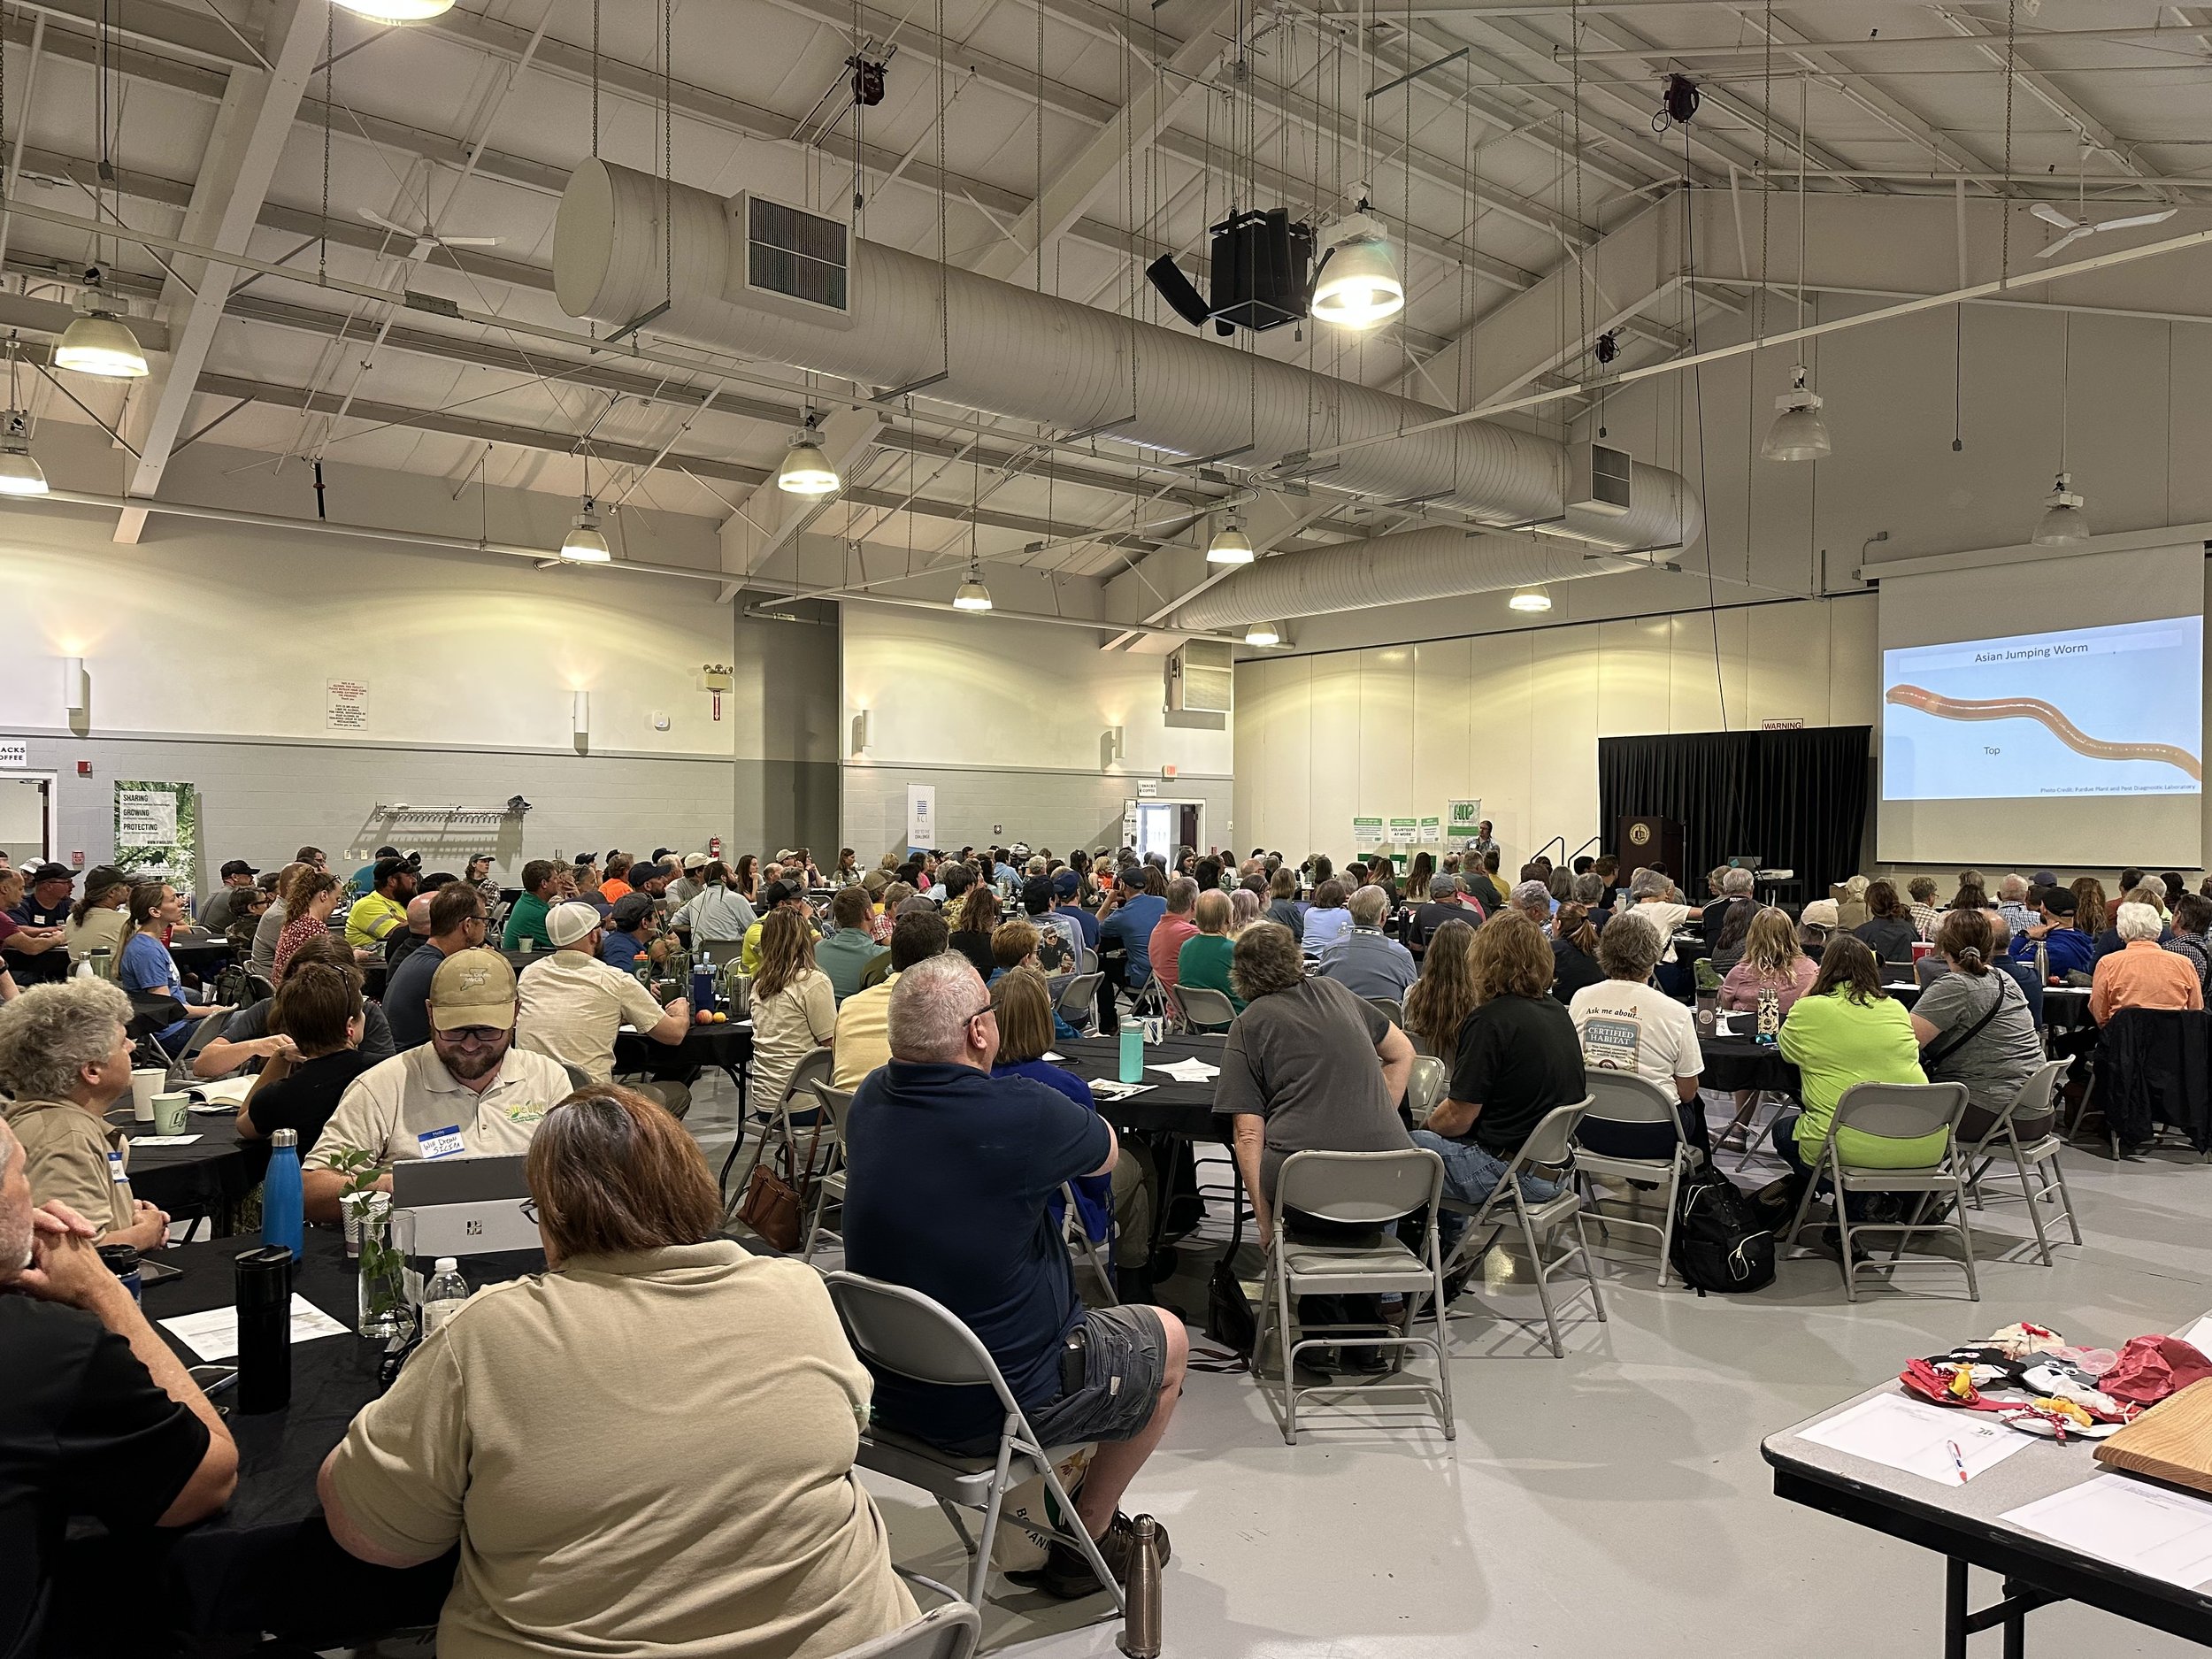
(171, 1113)
(146, 1082)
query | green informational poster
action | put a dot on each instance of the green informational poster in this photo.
(1404, 830)
(1432, 829)
(1367, 832)
(1462, 819)
(158, 831)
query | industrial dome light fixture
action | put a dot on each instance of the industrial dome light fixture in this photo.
(1357, 283)
(2065, 523)
(98, 342)
(971, 594)
(1262, 633)
(1530, 599)
(398, 10)
(806, 470)
(20, 474)
(1230, 545)
(584, 545)
(1799, 434)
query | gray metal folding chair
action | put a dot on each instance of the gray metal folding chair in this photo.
(1426, 1088)
(943, 1632)
(1548, 1153)
(206, 1032)
(774, 1121)
(1389, 1007)
(903, 1332)
(830, 1105)
(1894, 1111)
(1354, 1190)
(2028, 1132)
(1077, 1002)
(1626, 1098)
(1204, 1010)
(1081, 1246)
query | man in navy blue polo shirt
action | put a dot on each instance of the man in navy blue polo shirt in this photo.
(948, 1173)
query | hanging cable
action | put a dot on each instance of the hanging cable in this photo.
(330, 101)
(595, 79)
(2004, 246)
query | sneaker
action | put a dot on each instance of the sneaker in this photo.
(1361, 1361)
(1067, 1575)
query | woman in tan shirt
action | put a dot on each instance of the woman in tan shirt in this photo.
(619, 1483)
(65, 1056)
(795, 1007)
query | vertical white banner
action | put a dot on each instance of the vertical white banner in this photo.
(921, 815)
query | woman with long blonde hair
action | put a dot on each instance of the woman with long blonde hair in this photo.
(794, 1005)
(1438, 1003)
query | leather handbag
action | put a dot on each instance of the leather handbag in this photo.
(774, 1206)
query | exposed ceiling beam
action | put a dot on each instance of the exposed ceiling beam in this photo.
(1914, 47)
(239, 160)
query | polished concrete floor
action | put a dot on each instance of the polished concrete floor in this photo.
(1613, 1502)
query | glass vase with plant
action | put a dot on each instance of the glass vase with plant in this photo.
(381, 1304)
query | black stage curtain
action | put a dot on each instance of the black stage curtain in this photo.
(1797, 800)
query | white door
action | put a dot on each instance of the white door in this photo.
(1156, 825)
(25, 819)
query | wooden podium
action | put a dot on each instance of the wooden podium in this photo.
(1642, 839)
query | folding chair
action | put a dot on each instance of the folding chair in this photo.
(202, 1034)
(2036, 1106)
(1077, 1002)
(1549, 1147)
(1204, 1010)
(943, 1632)
(1894, 1111)
(774, 1122)
(1081, 1246)
(1625, 1098)
(830, 1105)
(1427, 1087)
(1389, 1007)
(1354, 1190)
(903, 1332)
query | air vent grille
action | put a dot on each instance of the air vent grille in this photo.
(797, 254)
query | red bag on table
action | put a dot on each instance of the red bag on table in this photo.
(2152, 1367)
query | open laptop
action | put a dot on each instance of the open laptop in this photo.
(462, 1205)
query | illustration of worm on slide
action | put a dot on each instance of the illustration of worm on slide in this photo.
(2035, 709)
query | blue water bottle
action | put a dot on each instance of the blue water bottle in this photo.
(283, 1219)
(702, 987)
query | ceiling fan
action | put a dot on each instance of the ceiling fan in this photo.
(2076, 229)
(425, 237)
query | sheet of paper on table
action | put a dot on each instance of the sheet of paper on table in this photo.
(1050, 1058)
(1121, 1091)
(2198, 1336)
(2150, 1530)
(213, 1334)
(1190, 1070)
(216, 1108)
(163, 1141)
(1917, 1438)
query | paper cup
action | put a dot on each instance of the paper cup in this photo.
(171, 1113)
(146, 1082)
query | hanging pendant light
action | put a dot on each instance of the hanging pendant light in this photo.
(806, 470)
(397, 11)
(584, 545)
(1230, 545)
(1799, 434)
(2064, 522)
(1530, 599)
(1356, 284)
(1262, 633)
(971, 594)
(98, 342)
(19, 474)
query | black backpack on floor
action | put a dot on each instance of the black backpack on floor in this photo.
(1720, 1244)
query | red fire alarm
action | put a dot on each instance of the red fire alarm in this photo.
(84, 769)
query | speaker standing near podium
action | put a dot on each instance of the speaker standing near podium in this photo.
(1641, 840)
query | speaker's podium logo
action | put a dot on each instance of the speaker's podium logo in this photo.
(1638, 834)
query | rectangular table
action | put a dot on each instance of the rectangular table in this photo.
(1964, 1525)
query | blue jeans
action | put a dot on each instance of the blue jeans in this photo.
(1785, 1147)
(1472, 1174)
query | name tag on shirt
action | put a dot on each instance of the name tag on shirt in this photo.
(115, 1167)
(441, 1143)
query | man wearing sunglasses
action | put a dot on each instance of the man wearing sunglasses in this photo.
(467, 1090)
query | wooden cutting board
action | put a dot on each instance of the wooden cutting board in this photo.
(2172, 1442)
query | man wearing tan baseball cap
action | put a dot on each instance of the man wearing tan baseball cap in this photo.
(468, 1089)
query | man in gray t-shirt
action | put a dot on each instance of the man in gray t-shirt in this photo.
(1996, 1060)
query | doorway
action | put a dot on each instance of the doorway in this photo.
(1167, 827)
(28, 831)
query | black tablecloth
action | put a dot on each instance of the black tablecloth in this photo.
(206, 1178)
(202, 956)
(1734, 1063)
(724, 1048)
(1182, 1109)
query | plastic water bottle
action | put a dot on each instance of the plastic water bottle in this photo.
(283, 1219)
(1130, 1069)
(446, 1291)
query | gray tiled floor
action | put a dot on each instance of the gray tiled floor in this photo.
(1615, 1502)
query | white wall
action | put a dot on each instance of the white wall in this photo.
(1007, 718)
(1515, 717)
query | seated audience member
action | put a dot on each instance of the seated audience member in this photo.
(845, 952)
(1014, 945)
(718, 914)
(2012, 901)
(1437, 1003)
(1309, 1066)
(65, 1058)
(975, 918)
(1531, 898)
(308, 903)
(363, 879)
(99, 918)
(1574, 949)
(99, 1419)
(477, 874)
(652, 881)
(1921, 905)
(320, 1012)
(1067, 903)
(630, 930)
(1851, 907)
(1651, 896)
(220, 909)
(947, 1176)
(2139, 974)
(1203, 961)
(1848, 1030)
(1771, 960)
(1244, 910)
(34, 910)
(614, 881)
(1728, 939)
(794, 1009)
(1284, 909)
(862, 1038)
(2192, 939)
(2109, 940)
(2066, 948)
(1974, 1026)
(1888, 931)
(249, 1039)
(403, 942)
(1365, 961)
(1327, 920)
(1443, 904)
(1627, 1023)
(1164, 950)
(384, 907)
(470, 1080)
(774, 895)
(1731, 887)
(746, 1536)
(525, 920)
(1971, 896)
(245, 914)
(1060, 938)
(261, 960)
(574, 1005)
(1125, 921)
(2092, 914)
(146, 969)
(1515, 1059)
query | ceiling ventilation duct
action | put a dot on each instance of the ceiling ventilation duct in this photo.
(907, 322)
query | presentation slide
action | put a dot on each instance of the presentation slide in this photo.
(2059, 713)
(2045, 713)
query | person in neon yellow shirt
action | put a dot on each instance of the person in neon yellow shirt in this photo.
(385, 907)
(777, 896)
(1845, 1031)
